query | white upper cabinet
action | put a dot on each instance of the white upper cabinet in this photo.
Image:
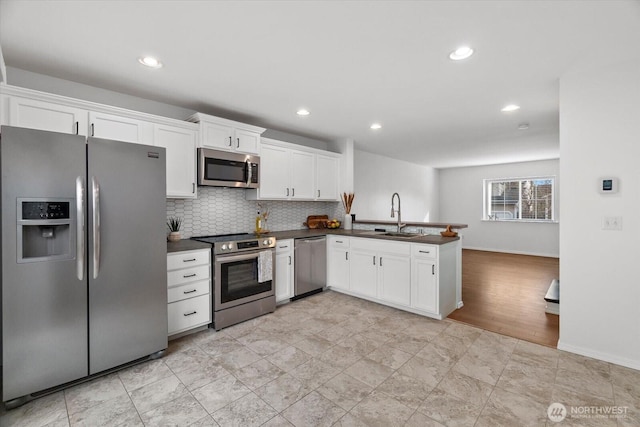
(302, 175)
(327, 177)
(35, 114)
(180, 144)
(274, 172)
(119, 128)
(228, 135)
(291, 172)
(39, 110)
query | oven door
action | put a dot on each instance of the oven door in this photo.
(236, 280)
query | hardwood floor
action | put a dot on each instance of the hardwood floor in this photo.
(504, 293)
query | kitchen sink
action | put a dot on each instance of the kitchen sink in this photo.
(401, 234)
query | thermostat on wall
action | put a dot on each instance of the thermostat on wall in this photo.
(608, 185)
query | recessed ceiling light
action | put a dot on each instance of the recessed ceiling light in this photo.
(509, 108)
(523, 126)
(150, 62)
(376, 126)
(463, 52)
(302, 112)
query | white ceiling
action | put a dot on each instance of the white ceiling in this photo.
(349, 63)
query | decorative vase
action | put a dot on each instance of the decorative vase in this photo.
(174, 236)
(347, 224)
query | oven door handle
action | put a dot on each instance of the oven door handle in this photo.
(223, 259)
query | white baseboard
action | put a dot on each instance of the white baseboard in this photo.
(513, 252)
(611, 358)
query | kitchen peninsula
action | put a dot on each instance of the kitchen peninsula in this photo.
(419, 273)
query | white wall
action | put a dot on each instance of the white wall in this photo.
(461, 202)
(376, 178)
(600, 136)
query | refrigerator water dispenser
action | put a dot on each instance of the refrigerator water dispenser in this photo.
(46, 230)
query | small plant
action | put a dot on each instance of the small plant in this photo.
(174, 223)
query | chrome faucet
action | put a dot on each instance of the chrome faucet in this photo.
(393, 211)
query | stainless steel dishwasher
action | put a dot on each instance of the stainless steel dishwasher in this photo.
(310, 265)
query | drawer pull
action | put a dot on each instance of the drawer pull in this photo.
(190, 292)
(425, 252)
(190, 314)
(283, 247)
(189, 260)
(339, 241)
(189, 275)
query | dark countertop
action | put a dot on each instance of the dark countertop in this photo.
(186, 245)
(191, 245)
(411, 224)
(301, 234)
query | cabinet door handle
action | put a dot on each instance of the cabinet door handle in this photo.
(425, 252)
(189, 314)
(93, 133)
(289, 259)
(433, 270)
(293, 192)
(318, 193)
(346, 256)
(189, 260)
(374, 260)
(238, 142)
(189, 292)
(230, 141)
(189, 275)
(287, 192)
(193, 188)
(77, 128)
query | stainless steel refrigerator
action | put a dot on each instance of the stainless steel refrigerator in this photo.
(83, 257)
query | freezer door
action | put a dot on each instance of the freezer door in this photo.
(127, 252)
(44, 301)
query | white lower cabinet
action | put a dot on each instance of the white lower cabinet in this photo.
(284, 270)
(338, 264)
(380, 269)
(394, 278)
(424, 279)
(420, 278)
(188, 290)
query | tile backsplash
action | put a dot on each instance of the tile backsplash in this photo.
(219, 210)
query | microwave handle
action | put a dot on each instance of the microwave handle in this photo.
(249, 172)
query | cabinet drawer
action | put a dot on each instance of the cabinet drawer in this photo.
(338, 242)
(187, 275)
(189, 313)
(284, 246)
(187, 259)
(189, 290)
(424, 251)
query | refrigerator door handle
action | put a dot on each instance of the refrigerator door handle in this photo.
(80, 249)
(96, 226)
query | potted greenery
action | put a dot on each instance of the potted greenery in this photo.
(174, 223)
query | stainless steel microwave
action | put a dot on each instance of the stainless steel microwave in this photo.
(224, 169)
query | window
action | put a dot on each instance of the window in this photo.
(519, 199)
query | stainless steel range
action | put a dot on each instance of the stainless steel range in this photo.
(243, 277)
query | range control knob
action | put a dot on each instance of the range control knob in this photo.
(224, 247)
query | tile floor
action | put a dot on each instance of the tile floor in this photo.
(331, 359)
